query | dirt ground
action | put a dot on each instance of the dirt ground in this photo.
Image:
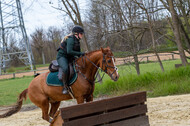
(162, 111)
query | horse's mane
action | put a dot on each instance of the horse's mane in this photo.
(91, 52)
(87, 54)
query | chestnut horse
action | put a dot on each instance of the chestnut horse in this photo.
(41, 94)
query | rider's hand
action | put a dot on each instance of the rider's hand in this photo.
(82, 54)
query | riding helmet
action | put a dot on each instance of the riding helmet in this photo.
(78, 29)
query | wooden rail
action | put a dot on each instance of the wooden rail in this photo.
(126, 110)
(21, 74)
(147, 58)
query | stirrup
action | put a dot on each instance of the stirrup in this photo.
(65, 91)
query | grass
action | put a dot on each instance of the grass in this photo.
(11, 88)
(150, 67)
(175, 81)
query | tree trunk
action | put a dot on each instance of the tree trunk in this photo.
(1, 65)
(159, 60)
(182, 9)
(43, 58)
(177, 33)
(136, 63)
(184, 16)
(85, 43)
(154, 46)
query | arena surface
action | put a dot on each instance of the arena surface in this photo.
(162, 111)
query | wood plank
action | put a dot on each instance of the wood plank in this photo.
(101, 105)
(109, 117)
(139, 121)
(125, 101)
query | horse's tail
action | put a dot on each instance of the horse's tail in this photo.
(36, 75)
(14, 109)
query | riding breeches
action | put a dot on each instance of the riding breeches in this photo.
(63, 63)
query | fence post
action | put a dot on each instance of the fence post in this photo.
(34, 72)
(147, 59)
(124, 61)
(13, 75)
(172, 56)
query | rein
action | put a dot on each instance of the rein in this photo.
(105, 71)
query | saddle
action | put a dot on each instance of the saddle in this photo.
(54, 67)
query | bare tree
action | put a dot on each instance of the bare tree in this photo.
(54, 37)
(124, 27)
(176, 32)
(150, 25)
(183, 10)
(95, 26)
(38, 42)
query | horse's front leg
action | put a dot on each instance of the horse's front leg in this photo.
(80, 100)
(89, 98)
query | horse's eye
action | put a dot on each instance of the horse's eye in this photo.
(109, 61)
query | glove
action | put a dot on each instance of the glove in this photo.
(82, 54)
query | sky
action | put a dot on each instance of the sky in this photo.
(40, 13)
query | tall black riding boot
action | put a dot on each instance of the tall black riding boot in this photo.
(64, 80)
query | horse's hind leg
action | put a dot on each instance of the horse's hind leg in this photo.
(54, 107)
(40, 100)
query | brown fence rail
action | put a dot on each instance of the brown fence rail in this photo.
(127, 110)
(147, 58)
(22, 74)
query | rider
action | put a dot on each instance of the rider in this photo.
(69, 48)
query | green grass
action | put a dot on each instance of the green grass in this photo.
(144, 68)
(149, 67)
(175, 81)
(11, 88)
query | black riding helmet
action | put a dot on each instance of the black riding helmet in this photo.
(78, 29)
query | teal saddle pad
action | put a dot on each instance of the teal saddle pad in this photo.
(52, 78)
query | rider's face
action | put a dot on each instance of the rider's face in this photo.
(80, 35)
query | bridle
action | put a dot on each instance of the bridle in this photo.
(108, 66)
(104, 64)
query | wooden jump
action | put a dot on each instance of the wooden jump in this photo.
(126, 110)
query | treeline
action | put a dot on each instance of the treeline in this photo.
(133, 26)
(45, 43)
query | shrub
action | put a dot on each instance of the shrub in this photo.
(27, 68)
(11, 70)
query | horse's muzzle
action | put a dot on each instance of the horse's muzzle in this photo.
(115, 78)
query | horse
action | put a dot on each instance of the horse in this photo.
(43, 95)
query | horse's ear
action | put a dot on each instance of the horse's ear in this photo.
(102, 50)
(108, 48)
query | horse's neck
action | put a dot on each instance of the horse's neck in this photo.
(90, 68)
